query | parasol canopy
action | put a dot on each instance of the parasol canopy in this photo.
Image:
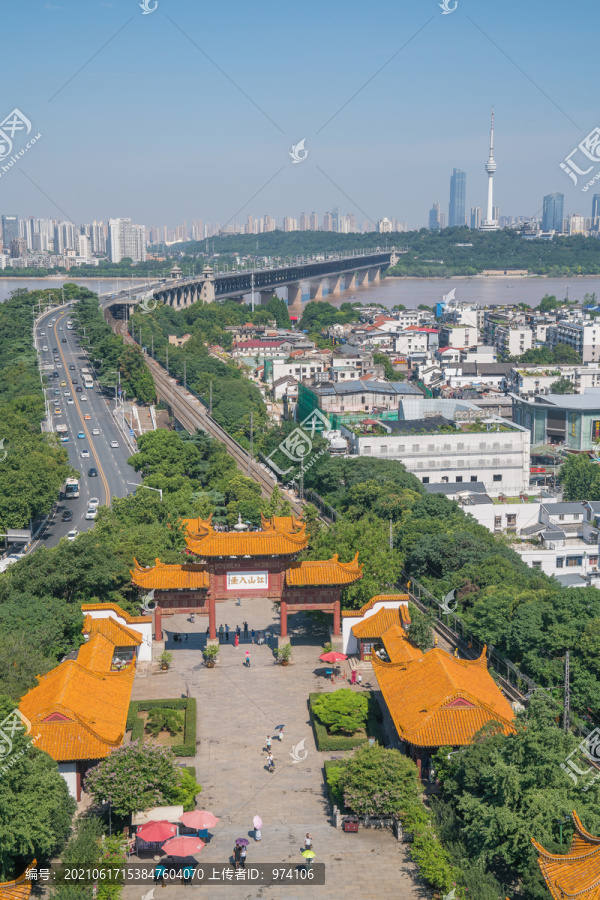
(199, 819)
(183, 846)
(308, 854)
(156, 831)
(333, 656)
(257, 822)
(242, 842)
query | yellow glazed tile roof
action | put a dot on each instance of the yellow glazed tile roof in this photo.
(375, 626)
(204, 541)
(79, 709)
(131, 620)
(371, 603)
(19, 889)
(120, 635)
(322, 572)
(170, 577)
(437, 700)
(576, 873)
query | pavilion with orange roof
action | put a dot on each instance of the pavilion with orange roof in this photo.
(433, 699)
(250, 563)
(576, 873)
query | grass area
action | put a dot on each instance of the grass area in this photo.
(183, 744)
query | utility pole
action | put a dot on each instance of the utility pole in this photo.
(251, 441)
(210, 402)
(567, 701)
(252, 284)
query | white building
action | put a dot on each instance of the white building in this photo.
(126, 240)
(411, 342)
(300, 369)
(511, 341)
(584, 337)
(496, 453)
(459, 336)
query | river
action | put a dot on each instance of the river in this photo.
(490, 290)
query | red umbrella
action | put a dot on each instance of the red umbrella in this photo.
(156, 831)
(199, 819)
(183, 846)
(333, 657)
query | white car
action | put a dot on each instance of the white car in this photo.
(114, 444)
(67, 393)
(70, 401)
(95, 431)
(85, 454)
(94, 503)
(72, 535)
(42, 334)
(45, 349)
(91, 514)
(83, 397)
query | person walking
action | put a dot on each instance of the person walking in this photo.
(353, 677)
(236, 640)
(308, 842)
(226, 632)
(237, 854)
(238, 630)
(268, 744)
(247, 659)
(221, 633)
(280, 732)
(359, 679)
(270, 762)
(253, 633)
(245, 629)
(243, 857)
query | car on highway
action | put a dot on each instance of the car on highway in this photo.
(80, 434)
(70, 401)
(56, 391)
(60, 328)
(64, 340)
(72, 368)
(55, 375)
(75, 381)
(67, 515)
(95, 431)
(57, 412)
(78, 389)
(91, 514)
(94, 503)
(55, 350)
(93, 473)
(83, 397)
(67, 393)
(87, 415)
(85, 454)
(45, 349)
(54, 320)
(63, 384)
(72, 535)
(114, 444)
(42, 334)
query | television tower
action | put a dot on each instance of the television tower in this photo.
(490, 224)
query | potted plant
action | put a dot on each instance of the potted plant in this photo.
(165, 659)
(284, 654)
(210, 654)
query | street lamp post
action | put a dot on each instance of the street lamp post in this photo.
(148, 488)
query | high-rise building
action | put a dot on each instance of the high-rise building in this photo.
(352, 226)
(10, 230)
(595, 207)
(384, 225)
(290, 224)
(335, 219)
(304, 226)
(84, 247)
(496, 213)
(442, 221)
(490, 223)
(18, 248)
(434, 217)
(327, 222)
(314, 222)
(126, 240)
(458, 194)
(576, 224)
(553, 212)
(476, 218)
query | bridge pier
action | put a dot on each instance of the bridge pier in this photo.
(316, 290)
(294, 299)
(334, 284)
(265, 296)
(375, 275)
(362, 278)
(349, 280)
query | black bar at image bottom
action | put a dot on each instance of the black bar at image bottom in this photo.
(182, 873)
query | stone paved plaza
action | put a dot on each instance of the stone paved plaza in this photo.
(237, 708)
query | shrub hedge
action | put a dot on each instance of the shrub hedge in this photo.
(325, 741)
(136, 725)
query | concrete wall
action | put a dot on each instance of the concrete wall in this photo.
(349, 642)
(69, 773)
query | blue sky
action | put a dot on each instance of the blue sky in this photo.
(150, 128)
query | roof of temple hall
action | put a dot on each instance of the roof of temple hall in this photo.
(576, 873)
(282, 536)
(164, 577)
(329, 571)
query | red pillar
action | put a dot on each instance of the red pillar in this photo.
(336, 618)
(158, 624)
(283, 615)
(212, 617)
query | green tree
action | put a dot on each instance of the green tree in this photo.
(170, 720)
(577, 475)
(135, 777)
(342, 711)
(562, 386)
(381, 782)
(420, 630)
(35, 806)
